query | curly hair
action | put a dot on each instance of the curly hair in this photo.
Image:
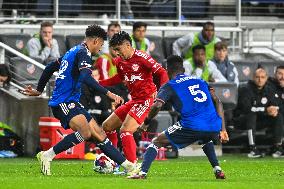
(119, 38)
(95, 31)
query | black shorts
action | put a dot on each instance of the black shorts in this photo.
(181, 137)
(66, 111)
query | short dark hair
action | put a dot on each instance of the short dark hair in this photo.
(220, 45)
(208, 24)
(175, 64)
(138, 25)
(115, 24)
(119, 38)
(4, 71)
(95, 31)
(46, 24)
(198, 47)
(281, 67)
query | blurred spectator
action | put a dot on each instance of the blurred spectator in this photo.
(106, 65)
(42, 46)
(96, 103)
(183, 46)
(5, 75)
(224, 65)
(139, 41)
(198, 66)
(278, 83)
(111, 30)
(258, 108)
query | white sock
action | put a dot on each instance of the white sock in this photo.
(50, 154)
(217, 168)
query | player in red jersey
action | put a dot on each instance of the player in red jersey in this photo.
(136, 69)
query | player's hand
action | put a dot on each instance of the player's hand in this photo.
(272, 110)
(29, 91)
(224, 138)
(142, 128)
(117, 99)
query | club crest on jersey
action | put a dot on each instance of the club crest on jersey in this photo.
(98, 99)
(71, 105)
(135, 67)
(263, 100)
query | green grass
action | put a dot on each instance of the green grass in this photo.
(193, 172)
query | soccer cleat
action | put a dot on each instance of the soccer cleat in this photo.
(44, 163)
(139, 175)
(136, 169)
(278, 154)
(219, 174)
(255, 154)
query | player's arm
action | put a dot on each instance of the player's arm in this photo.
(219, 108)
(111, 81)
(84, 66)
(45, 76)
(157, 70)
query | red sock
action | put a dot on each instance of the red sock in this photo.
(112, 136)
(128, 146)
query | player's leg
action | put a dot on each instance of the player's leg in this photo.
(99, 137)
(79, 124)
(209, 150)
(149, 156)
(138, 110)
(110, 125)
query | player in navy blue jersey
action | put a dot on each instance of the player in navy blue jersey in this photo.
(202, 117)
(74, 68)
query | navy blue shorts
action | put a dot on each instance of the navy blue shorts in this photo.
(66, 111)
(182, 137)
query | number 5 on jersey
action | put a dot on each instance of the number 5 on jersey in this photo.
(194, 90)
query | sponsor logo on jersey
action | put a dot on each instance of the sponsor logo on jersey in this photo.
(133, 78)
(85, 64)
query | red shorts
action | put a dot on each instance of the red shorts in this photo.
(138, 109)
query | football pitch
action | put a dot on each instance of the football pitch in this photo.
(192, 172)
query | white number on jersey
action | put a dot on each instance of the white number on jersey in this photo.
(194, 90)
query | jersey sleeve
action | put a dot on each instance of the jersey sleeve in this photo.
(84, 59)
(165, 93)
(152, 64)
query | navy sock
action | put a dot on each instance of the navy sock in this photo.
(209, 150)
(149, 157)
(68, 142)
(110, 151)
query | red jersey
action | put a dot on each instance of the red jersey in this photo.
(137, 72)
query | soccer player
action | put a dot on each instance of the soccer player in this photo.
(136, 69)
(74, 69)
(199, 119)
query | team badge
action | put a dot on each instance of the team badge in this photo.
(71, 105)
(98, 99)
(276, 95)
(263, 100)
(226, 93)
(31, 68)
(282, 96)
(246, 70)
(20, 44)
(135, 67)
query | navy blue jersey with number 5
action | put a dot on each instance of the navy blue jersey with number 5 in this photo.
(190, 96)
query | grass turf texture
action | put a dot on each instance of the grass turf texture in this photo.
(193, 172)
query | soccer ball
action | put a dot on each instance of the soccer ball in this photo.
(103, 164)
